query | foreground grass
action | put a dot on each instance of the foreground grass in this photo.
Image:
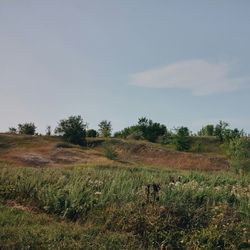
(107, 208)
(22, 230)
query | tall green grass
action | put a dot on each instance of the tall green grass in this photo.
(200, 210)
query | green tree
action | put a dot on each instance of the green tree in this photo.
(182, 140)
(27, 128)
(73, 130)
(208, 130)
(221, 130)
(92, 133)
(151, 131)
(231, 134)
(144, 129)
(105, 128)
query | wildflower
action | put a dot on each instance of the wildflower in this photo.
(177, 183)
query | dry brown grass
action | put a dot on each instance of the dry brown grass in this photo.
(149, 154)
(51, 151)
(45, 151)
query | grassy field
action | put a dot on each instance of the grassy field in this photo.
(108, 207)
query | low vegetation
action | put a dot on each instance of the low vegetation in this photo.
(127, 192)
(144, 129)
(26, 128)
(239, 152)
(109, 207)
(105, 128)
(73, 130)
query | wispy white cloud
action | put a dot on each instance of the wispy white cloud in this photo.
(198, 76)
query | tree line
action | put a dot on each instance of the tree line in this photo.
(74, 130)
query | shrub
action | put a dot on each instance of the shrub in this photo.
(73, 130)
(144, 129)
(198, 147)
(136, 135)
(226, 134)
(105, 128)
(27, 128)
(110, 152)
(151, 130)
(239, 151)
(126, 132)
(91, 133)
(208, 130)
(12, 130)
(182, 140)
(167, 138)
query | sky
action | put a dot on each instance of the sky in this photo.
(175, 62)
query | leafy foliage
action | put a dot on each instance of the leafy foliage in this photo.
(145, 129)
(129, 131)
(239, 150)
(151, 130)
(27, 128)
(220, 130)
(92, 133)
(73, 130)
(167, 138)
(105, 128)
(182, 140)
(208, 130)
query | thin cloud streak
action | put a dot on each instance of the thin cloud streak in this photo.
(198, 76)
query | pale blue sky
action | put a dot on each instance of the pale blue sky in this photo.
(176, 62)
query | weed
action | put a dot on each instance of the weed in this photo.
(192, 210)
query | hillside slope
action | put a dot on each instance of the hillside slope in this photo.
(52, 151)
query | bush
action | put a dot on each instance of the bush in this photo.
(144, 129)
(239, 151)
(73, 130)
(208, 130)
(105, 128)
(182, 140)
(92, 133)
(27, 128)
(167, 138)
(110, 152)
(151, 130)
(198, 147)
(136, 135)
(12, 130)
(126, 132)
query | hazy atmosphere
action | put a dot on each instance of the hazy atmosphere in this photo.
(176, 62)
(125, 124)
